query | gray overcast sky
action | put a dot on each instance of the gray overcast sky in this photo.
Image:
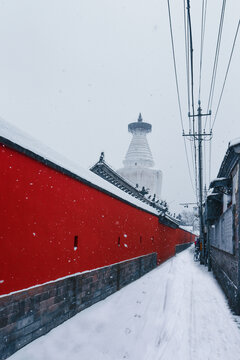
(74, 73)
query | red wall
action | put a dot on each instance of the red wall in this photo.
(42, 210)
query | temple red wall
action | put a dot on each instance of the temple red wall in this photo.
(43, 210)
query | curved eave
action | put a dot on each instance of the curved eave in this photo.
(229, 162)
(140, 126)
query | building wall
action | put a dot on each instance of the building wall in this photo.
(44, 212)
(225, 268)
(225, 264)
(54, 229)
(29, 314)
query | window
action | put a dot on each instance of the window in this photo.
(75, 243)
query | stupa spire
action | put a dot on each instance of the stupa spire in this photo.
(138, 161)
(139, 153)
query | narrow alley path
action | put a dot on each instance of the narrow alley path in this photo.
(175, 312)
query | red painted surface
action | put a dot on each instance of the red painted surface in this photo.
(41, 213)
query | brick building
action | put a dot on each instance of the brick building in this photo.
(222, 219)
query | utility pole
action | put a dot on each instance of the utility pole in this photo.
(200, 137)
(200, 179)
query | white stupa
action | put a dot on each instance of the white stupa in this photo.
(138, 162)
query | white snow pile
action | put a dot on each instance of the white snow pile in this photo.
(175, 312)
(17, 136)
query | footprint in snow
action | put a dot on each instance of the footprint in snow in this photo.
(144, 292)
(138, 302)
(128, 331)
(137, 315)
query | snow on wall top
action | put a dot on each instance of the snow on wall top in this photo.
(234, 142)
(17, 136)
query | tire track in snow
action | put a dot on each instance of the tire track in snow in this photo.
(177, 312)
(192, 327)
(170, 271)
(170, 317)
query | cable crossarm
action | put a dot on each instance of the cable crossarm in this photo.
(227, 71)
(177, 87)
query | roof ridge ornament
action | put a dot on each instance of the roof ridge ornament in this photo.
(102, 157)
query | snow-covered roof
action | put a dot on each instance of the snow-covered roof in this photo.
(214, 194)
(220, 179)
(187, 228)
(18, 137)
(234, 142)
(220, 182)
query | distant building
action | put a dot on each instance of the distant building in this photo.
(222, 218)
(138, 162)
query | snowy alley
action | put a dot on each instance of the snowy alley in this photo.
(177, 311)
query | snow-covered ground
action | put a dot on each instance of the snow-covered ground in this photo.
(175, 312)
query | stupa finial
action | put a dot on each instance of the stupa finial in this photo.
(139, 125)
(140, 118)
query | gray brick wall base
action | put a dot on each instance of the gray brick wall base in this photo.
(181, 247)
(227, 285)
(27, 315)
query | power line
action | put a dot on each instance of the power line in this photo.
(177, 87)
(190, 43)
(186, 37)
(191, 54)
(210, 160)
(215, 65)
(221, 95)
(189, 171)
(225, 79)
(203, 24)
(174, 61)
(205, 161)
(200, 136)
(213, 80)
